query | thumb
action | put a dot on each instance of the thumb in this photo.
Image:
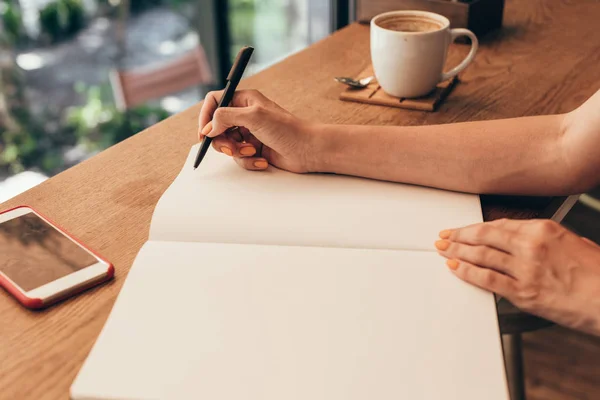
(227, 117)
(590, 241)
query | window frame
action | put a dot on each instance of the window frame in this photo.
(213, 26)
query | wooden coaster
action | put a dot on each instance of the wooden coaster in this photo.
(373, 94)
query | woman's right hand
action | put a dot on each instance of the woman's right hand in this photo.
(257, 132)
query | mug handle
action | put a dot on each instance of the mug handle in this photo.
(454, 33)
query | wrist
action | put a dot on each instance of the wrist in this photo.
(319, 149)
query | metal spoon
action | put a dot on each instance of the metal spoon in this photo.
(355, 83)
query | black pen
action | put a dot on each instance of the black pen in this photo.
(234, 77)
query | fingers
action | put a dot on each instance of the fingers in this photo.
(232, 144)
(241, 98)
(483, 278)
(250, 138)
(482, 256)
(488, 245)
(512, 225)
(589, 241)
(227, 117)
(252, 163)
(500, 235)
(211, 102)
(245, 161)
(202, 132)
(503, 223)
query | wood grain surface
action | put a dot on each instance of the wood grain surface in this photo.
(561, 364)
(544, 61)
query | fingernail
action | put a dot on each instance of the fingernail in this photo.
(248, 151)
(452, 264)
(445, 234)
(207, 128)
(442, 245)
(261, 164)
(226, 151)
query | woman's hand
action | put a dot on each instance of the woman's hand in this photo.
(538, 265)
(257, 132)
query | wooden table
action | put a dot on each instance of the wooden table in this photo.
(544, 61)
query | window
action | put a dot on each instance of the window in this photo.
(276, 28)
(65, 67)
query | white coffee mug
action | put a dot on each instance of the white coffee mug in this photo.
(408, 51)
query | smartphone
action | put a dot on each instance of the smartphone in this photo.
(40, 264)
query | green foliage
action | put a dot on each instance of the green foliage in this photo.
(53, 20)
(75, 16)
(128, 123)
(33, 142)
(12, 22)
(30, 146)
(62, 19)
(141, 5)
(18, 138)
(241, 24)
(39, 142)
(98, 124)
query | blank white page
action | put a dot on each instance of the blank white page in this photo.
(231, 322)
(222, 203)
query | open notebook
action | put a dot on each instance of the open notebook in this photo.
(270, 285)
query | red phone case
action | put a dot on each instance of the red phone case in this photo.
(36, 303)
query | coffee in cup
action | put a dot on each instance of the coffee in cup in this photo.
(409, 23)
(408, 51)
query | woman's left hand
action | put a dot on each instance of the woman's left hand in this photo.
(538, 265)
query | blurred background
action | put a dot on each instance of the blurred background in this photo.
(77, 76)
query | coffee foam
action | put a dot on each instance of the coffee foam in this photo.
(409, 23)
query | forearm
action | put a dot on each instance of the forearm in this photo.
(512, 156)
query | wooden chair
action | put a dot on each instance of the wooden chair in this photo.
(135, 87)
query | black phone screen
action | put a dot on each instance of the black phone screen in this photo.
(33, 253)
